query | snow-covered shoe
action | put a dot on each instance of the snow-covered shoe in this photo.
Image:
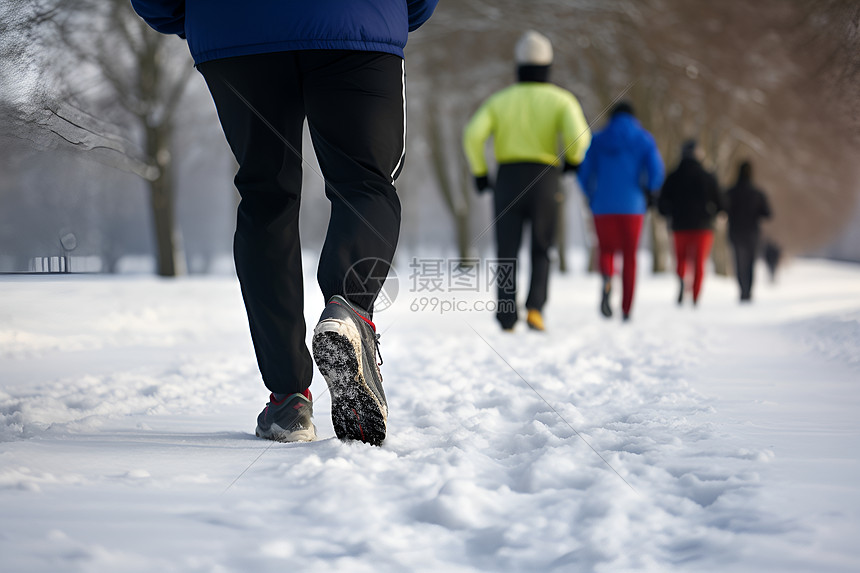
(288, 420)
(345, 349)
(535, 320)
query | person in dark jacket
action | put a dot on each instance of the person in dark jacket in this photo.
(620, 177)
(269, 66)
(747, 206)
(772, 256)
(527, 120)
(691, 199)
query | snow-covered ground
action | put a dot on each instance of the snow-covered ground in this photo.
(724, 438)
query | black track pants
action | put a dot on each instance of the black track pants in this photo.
(355, 108)
(525, 192)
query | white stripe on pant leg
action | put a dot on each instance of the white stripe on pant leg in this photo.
(403, 153)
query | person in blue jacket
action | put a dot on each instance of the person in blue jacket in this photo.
(620, 175)
(270, 65)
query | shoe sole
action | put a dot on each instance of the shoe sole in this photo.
(278, 434)
(356, 413)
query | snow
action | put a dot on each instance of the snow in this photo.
(723, 438)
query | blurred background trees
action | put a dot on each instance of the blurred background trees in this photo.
(89, 76)
(773, 81)
(105, 126)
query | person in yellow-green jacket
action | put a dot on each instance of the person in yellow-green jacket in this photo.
(526, 120)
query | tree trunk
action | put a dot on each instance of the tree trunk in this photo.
(561, 233)
(659, 242)
(458, 206)
(168, 242)
(591, 238)
(464, 239)
(721, 253)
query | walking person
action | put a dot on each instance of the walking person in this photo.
(620, 177)
(772, 257)
(691, 199)
(747, 206)
(338, 64)
(526, 121)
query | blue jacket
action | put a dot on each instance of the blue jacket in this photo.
(621, 165)
(218, 29)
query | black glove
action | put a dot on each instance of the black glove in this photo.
(482, 183)
(568, 167)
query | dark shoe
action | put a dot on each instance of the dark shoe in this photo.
(626, 317)
(345, 348)
(681, 293)
(605, 309)
(288, 420)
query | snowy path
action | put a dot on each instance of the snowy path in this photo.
(721, 439)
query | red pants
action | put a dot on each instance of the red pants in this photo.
(619, 233)
(695, 245)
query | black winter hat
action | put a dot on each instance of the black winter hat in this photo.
(688, 149)
(623, 106)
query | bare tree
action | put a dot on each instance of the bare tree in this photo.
(108, 85)
(455, 188)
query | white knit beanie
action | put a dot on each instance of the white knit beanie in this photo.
(533, 49)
